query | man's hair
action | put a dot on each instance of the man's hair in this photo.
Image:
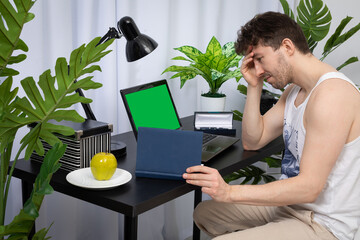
(270, 29)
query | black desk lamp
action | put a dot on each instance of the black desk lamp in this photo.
(138, 45)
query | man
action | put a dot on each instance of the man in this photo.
(318, 194)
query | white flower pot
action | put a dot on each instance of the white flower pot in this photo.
(212, 104)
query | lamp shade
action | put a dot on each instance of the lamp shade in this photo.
(138, 45)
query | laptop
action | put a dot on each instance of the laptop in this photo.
(151, 105)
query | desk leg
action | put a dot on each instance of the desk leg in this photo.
(130, 228)
(26, 188)
(197, 200)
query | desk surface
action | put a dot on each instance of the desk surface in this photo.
(142, 194)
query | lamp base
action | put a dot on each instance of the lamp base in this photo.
(118, 148)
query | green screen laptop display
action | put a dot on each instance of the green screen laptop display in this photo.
(151, 105)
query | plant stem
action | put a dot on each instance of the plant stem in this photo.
(4, 170)
(5, 160)
(22, 147)
(2, 187)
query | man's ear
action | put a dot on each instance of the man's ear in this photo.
(288, 46)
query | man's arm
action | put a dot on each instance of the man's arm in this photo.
(258, 130)
(329, 117)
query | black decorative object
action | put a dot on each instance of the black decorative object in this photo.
(266, 102)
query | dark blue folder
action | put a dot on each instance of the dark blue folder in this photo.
(164, 153)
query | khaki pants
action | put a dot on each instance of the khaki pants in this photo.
(236, 221)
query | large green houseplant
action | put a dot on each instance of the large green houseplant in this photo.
(47, 99)
(217, 65)
(314, 17)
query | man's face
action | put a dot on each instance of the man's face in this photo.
(272, 66)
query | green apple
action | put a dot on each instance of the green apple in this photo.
(103, 166)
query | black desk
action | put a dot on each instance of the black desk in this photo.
(140, 194)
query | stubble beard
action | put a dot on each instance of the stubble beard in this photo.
(283, 74)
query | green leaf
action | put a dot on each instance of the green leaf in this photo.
(213, 48)
(237, 115)
(30, 209)
(234, 62)
(190, 52)
(215, 75)
(228, 50)
(29, 17)
(249, 173)
(8, 72)
(21, 45)
(46, 189)
(67, 115)
(175, 68)
(24, 221)
(91, 70)
(273, 162)
(181, 58)
(6, 96)
(314, 18)
(347, 35)
(268, 178)
(229, 75)
(41, 234)
(43, 99)
(14, 19)
(86, 84)
(8, 114)
(336, 39)
(347, 62)
(286, 8)
(331, 41)
(312, 44)
(17, 59)
(184, 76)
(242, 89)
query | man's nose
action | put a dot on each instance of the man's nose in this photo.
(258, 70)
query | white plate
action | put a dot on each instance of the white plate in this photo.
(84, 178)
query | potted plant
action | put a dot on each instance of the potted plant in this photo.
(314, 17)
(48, 99)
(217, 65)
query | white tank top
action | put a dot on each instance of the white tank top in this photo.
(338, 206)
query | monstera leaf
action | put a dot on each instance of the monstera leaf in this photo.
(249, 173)
(314, 18)
(49, 98)
(10, 35)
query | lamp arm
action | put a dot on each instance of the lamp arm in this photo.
(112, 33)
(87, 109)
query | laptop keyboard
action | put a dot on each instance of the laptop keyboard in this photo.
(208, 137)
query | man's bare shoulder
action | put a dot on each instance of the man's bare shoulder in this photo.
(336, 89)
(337, 102)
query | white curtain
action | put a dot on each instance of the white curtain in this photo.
(63, 25)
